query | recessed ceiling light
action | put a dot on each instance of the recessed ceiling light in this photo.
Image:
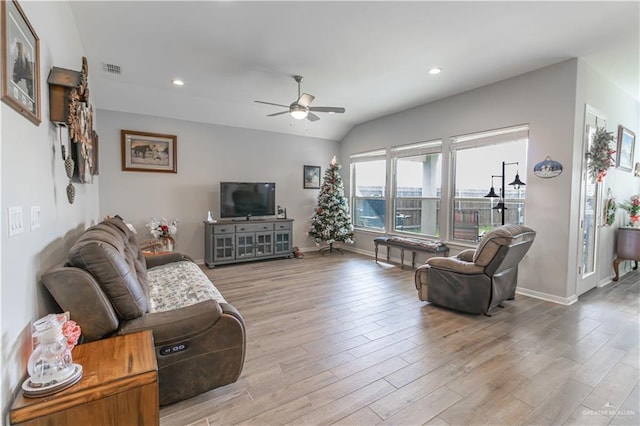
(178, 82)
(435, 70)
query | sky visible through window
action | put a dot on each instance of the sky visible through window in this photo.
(474, 168)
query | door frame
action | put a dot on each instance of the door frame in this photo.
(588, 281)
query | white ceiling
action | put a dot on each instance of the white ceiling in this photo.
(369, 57)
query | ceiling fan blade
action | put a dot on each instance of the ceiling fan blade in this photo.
(337, 110)
(305, 99)
(271, 103)
(278, 113)
(312, 117)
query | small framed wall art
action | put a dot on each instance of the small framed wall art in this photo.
(311, 177)
(20, 62)
(626, 145)
(149, 152)
(94, 162)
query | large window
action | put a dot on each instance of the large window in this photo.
(368, 183)
(477, 158)
(417, 182)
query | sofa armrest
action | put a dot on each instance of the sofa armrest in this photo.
(198, 347)
(231, 310)
(178, 324)
(153, 261)
(466, 255)
(454, 264)
(75, 290)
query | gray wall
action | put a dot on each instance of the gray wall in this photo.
(546, 99)
(207, 154)
(33, 175)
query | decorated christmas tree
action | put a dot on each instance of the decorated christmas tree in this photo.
(331, 221)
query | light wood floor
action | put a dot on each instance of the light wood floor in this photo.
(343, 340)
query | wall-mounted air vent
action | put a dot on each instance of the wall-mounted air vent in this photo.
(111, 68)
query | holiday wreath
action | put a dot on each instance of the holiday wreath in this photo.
(600, 155)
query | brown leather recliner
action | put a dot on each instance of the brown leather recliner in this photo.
(105, 285)
(476, 281)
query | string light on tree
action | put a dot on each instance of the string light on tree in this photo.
(331, 221)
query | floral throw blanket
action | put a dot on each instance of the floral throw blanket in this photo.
(179, 284)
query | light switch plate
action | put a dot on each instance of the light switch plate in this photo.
(15, 221)
(35, 217)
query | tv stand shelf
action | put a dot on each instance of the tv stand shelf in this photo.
(237, 241)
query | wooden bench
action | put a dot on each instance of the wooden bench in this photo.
(412, 244)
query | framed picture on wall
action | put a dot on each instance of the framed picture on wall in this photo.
(311, 177)
(626, 146)
(20, 88)
(94, 162)
(148, 152)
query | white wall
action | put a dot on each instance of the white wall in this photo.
(545, 99)
(33, 175)
(207, 154)
(620, 109)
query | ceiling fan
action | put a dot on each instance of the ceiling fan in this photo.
(300, 108)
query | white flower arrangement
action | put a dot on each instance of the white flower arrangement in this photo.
(162, 227)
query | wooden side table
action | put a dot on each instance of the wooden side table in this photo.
(119, 386)
(159, 247)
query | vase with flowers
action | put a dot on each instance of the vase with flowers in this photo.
(600, 155)
(632, 206)
(164, 231)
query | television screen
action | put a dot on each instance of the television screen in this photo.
(238, 199)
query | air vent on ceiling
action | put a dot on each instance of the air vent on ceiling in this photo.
(111, 68)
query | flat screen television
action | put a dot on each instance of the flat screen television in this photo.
(245, 199)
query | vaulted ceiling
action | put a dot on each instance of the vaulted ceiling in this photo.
(371, 58)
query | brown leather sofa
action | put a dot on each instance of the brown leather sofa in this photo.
(107, 285)
(476, 281)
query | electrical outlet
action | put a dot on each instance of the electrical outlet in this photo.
(35, 217)
(15, 221)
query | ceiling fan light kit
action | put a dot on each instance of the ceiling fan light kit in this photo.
(300, 108)
(298, 111)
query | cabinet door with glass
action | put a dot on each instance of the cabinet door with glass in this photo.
(223, 247)
(264, 243)
(245, 245)
(283, 238)
(282, 242)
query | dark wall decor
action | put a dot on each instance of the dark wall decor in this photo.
(311, 177)
(69, 107)
(94, 161)
(61, 82)
(20, 46)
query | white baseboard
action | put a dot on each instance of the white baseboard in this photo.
(547, 297)
(606, 281)
(358, 250)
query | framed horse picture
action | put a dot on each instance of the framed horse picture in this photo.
(148, 152)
